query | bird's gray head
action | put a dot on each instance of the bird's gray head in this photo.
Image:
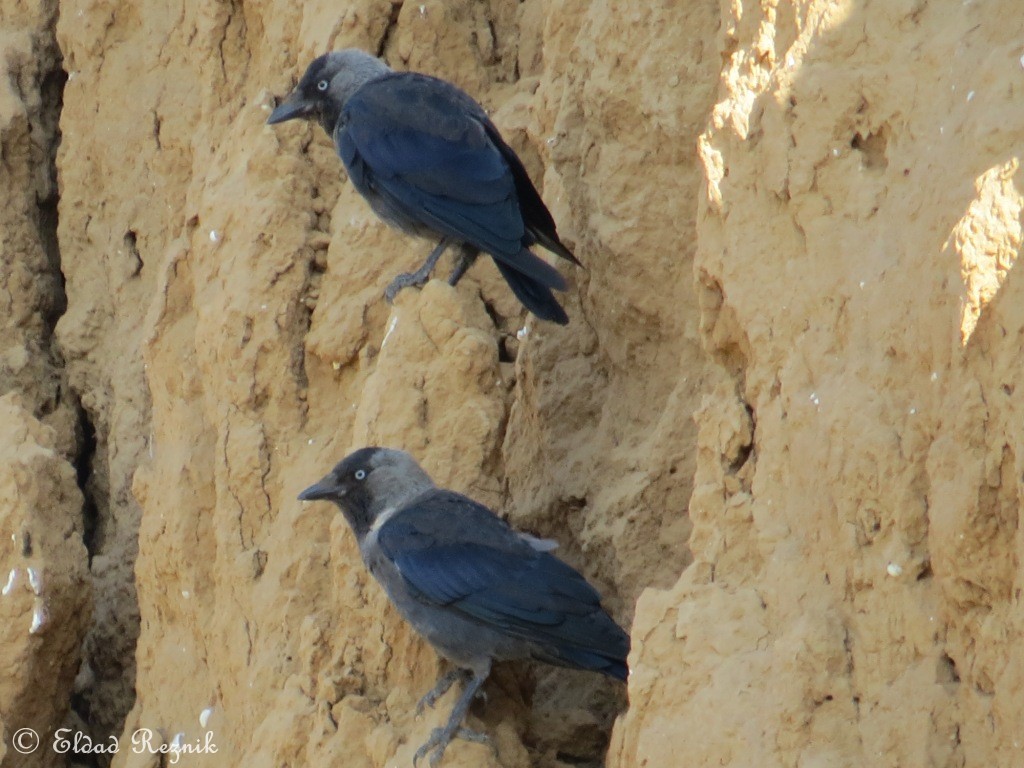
(327, 85)
(369, 481)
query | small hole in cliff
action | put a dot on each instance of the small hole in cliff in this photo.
(575, 504)
(945, 670)
(1008, 389)
(132, 249)
(926, 571)
(318, 264)
(741, 458)
(508, 348)
(745, 451)
(873, 147)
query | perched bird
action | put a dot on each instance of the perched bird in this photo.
(477, 590)
(431, 163)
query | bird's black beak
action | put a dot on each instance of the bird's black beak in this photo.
(290, 109)
(325, 489)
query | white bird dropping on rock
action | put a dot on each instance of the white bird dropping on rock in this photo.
(387, 334)
(12, 577)
(35, 579)
(204, 716)
(894, 569)
(39, 617)
(214, 237)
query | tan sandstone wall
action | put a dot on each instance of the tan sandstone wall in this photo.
(780, 432)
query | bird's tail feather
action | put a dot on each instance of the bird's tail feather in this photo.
(534, 295)
(532, 266)
(553, 244)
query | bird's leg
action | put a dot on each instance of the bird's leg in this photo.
(420, 276)
(441, 688)
(467, 255)
(441, 737)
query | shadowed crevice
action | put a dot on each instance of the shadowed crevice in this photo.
(83, 469)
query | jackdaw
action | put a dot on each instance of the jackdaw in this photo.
(431, 163)
(477, 590)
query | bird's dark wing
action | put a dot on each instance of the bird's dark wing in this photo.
(539, 223)
(422, 144)
(456, 553)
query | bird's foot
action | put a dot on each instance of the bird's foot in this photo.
(405, 280)
(439, 740)
(429, 700)
(440, 689)
(420, 276)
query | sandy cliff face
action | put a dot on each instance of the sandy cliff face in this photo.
(855, 511)
(780, 431)
(45, 594)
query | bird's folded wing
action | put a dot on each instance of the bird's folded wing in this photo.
(426, 146)
(468, 560)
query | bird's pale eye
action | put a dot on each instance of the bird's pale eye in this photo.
(360, 474)
(323, 85)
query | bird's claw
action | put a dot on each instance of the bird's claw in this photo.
(439, 740)
(431, 698)
(436, 742)
(428, 700)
